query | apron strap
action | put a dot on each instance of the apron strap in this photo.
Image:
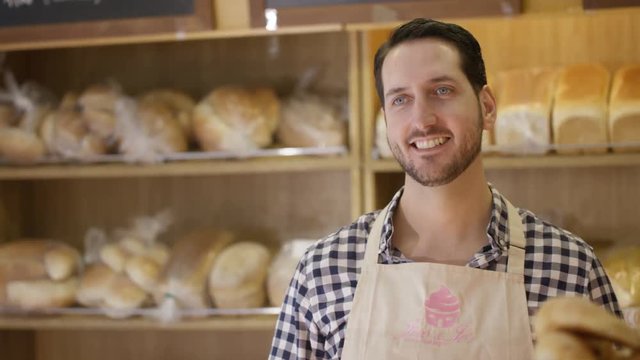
(517, 242)
(374, 238)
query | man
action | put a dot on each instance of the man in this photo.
(449, 269)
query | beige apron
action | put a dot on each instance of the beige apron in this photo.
(436, 311)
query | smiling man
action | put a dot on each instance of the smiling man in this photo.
(449, 269)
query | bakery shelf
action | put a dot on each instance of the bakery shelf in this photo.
(178, 168)
(167, 37)
(494, 162)
(96, 322)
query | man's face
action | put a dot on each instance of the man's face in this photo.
(434, 117)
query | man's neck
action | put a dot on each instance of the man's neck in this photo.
(446, 223)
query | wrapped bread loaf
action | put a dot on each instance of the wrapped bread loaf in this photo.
(238, 276)
(624, 107)
(184, 279)
(65, 133)
(97, 104)
(179, 103)
(104, 288)
(236, 119)
(282, 269)
(309, 121)
(580, 108)
(523, 122)
(577, 329)
(20, 146)
(382, 143)
(38, 274)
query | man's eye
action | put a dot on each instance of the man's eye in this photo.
(399, 100)
(443, 91)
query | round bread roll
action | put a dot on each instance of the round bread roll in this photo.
(180, 104)
(159, 124)
(40, 294)
(159, 253)
(62, 262)
(20, 146)
(64, 133)
(123, 294)
(238, 275)
(114, 256)
(95, 284)
(309, 121)
(236, 119)
(143, 271)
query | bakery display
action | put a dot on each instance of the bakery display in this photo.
(580, 108)
(624, 108)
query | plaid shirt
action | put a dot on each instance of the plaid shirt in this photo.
(314, 315)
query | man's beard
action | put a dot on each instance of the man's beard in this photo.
(471, 147)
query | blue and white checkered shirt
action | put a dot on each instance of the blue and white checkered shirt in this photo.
(314, 315)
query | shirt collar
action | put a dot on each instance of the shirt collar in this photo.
(496, 229)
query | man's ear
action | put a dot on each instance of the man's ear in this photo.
(488, 107)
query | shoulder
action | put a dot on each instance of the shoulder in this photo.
(548, 240)
(344, 244)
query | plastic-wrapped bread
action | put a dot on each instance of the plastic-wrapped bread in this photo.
(184, 279)
(97, 104)
(102, 287)
(624, 107)
(20, 146)
(238, 276)
(310, 121)
(236, 119)
(524, 110)
(178, 102)
(580, 107)
(65, 133)
(38, 259)
(381, 136)
(8, 115)
(282, 269)
(41, 294)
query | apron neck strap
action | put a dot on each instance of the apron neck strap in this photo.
(517, 241)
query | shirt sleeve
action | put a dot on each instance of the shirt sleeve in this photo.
(295, 331)
(600, 289)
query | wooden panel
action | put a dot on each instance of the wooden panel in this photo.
(200, 66)
(152, 345)
(596, 203)
(275, 206)
(538, 6)
(13, 202)
(17, 345)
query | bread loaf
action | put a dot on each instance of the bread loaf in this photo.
(95, 284)
(580, 107)
(97, 104)
(624, 107)
(38, 259)
(41, 294)
(179, 103)
(20, 146)
(161, 126)
(238, 276)
(143, 271)
(184, 278)
(64, 133)
(524, 110)
(310, 121)
(236, 119)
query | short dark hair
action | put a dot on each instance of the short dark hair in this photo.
(468, 48)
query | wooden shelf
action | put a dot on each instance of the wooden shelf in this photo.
(181, 168)
(168, 37)
(66, 322)
(493, 162)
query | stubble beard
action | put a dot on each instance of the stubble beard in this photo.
(471, 147)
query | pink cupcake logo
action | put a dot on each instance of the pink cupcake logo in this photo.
(442, 308)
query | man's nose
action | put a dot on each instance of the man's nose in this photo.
(423, 115)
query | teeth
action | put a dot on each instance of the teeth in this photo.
(431, 143)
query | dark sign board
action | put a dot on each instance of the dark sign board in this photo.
(597, 4)
(31, 12)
